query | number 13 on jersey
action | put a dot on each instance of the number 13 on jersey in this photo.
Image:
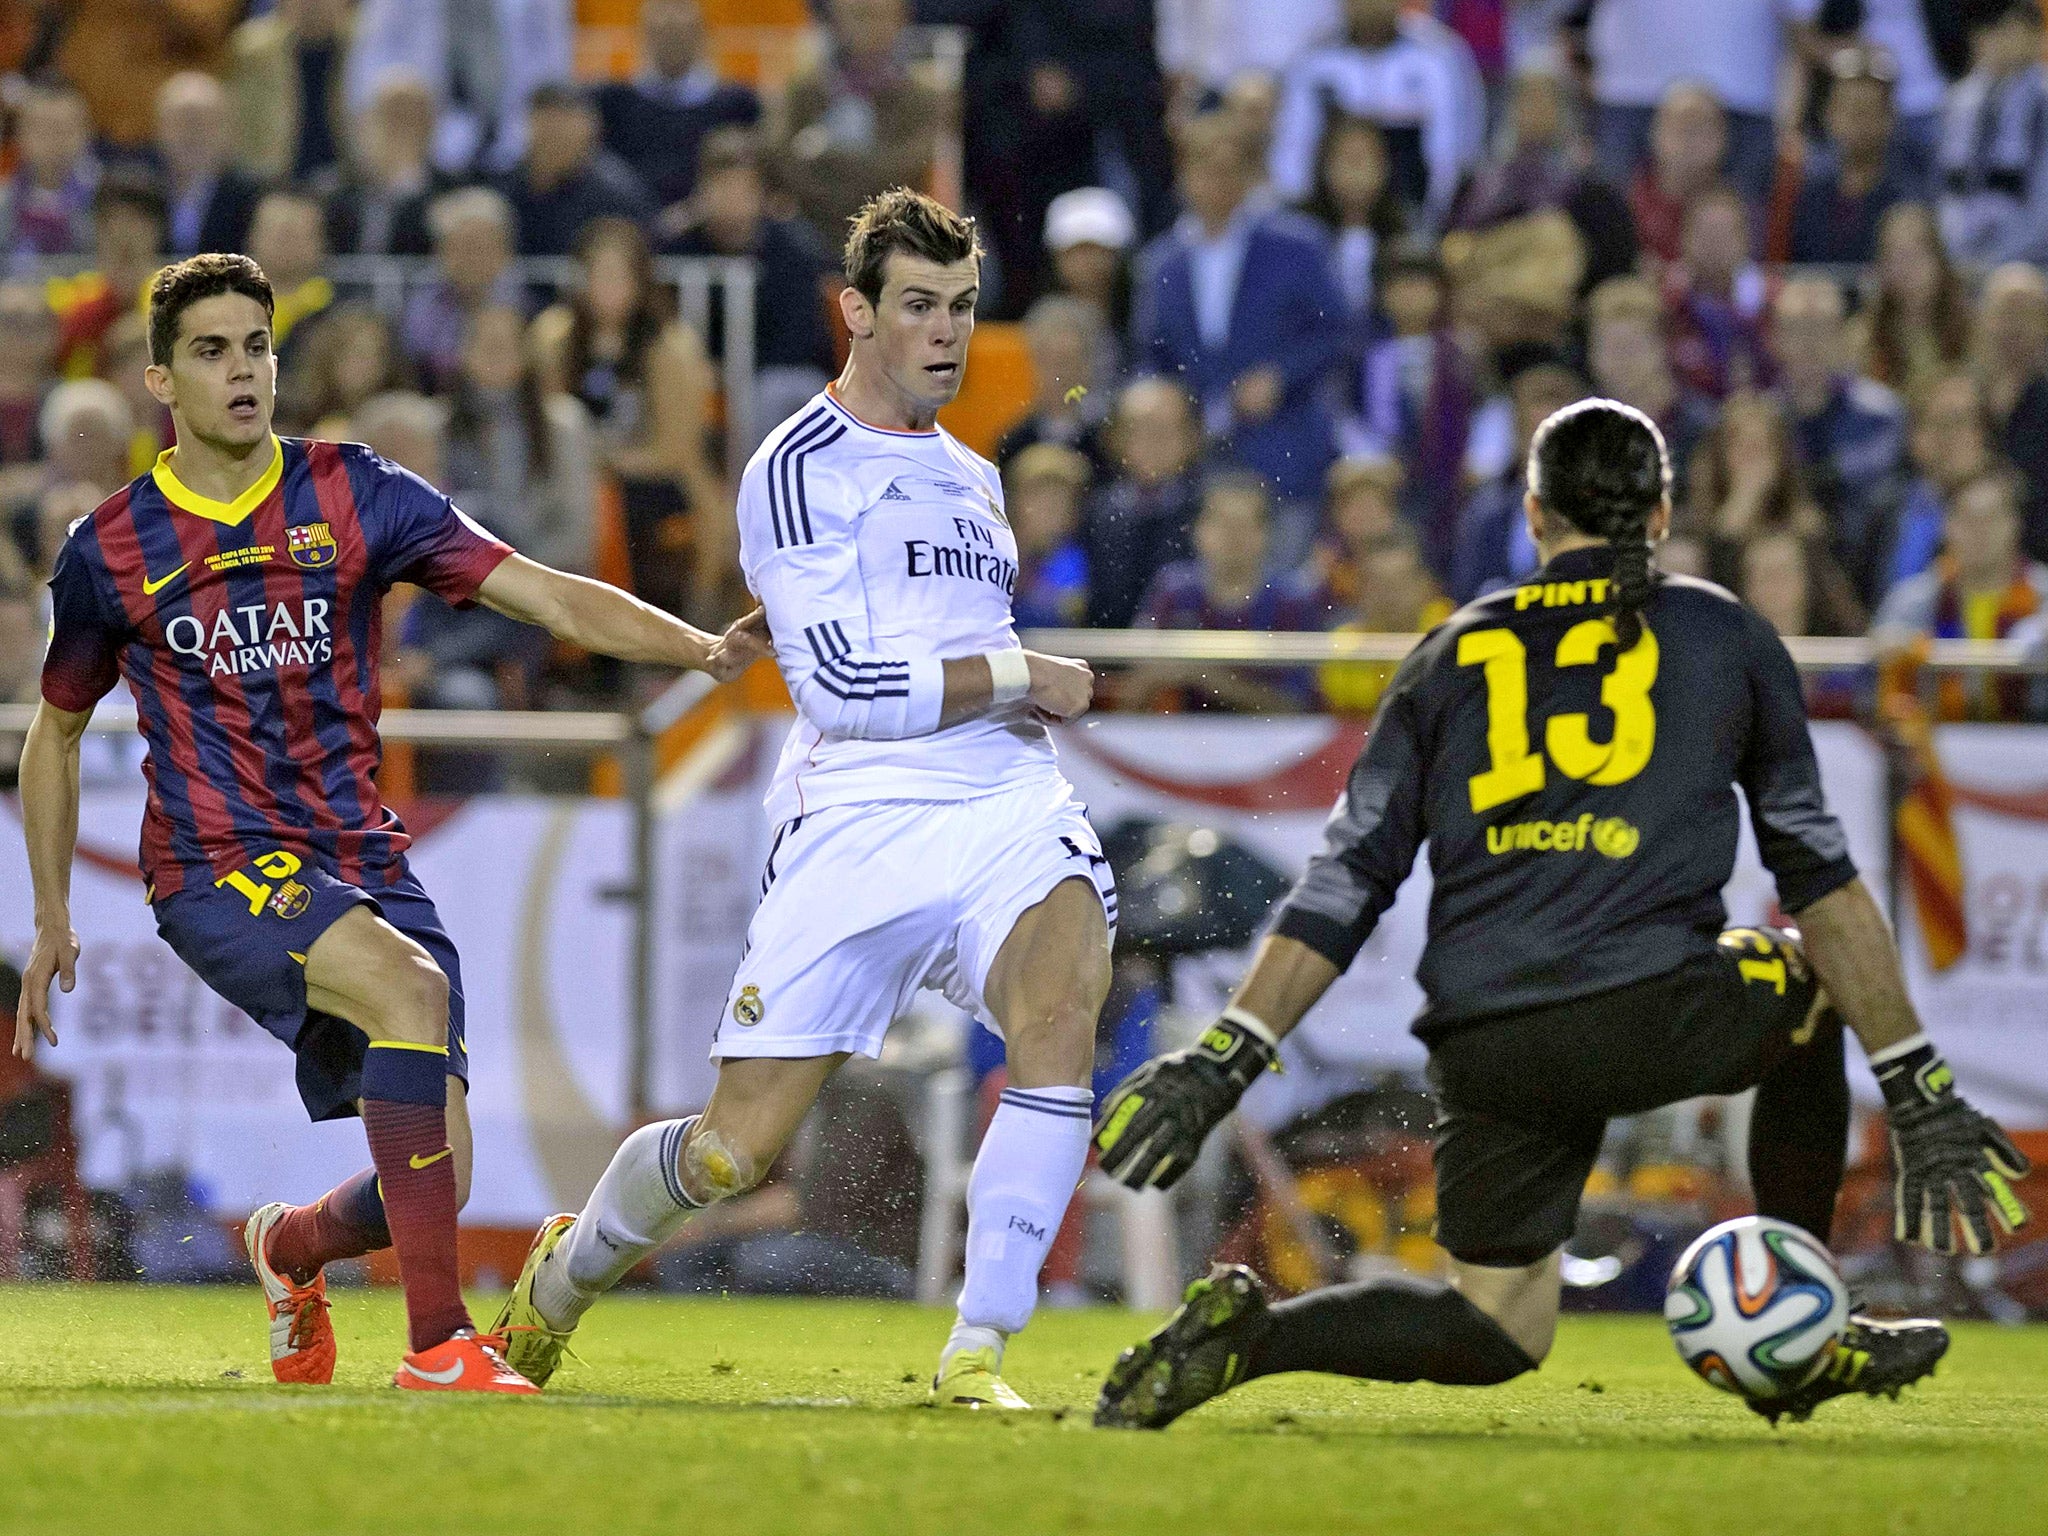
(1516, 770)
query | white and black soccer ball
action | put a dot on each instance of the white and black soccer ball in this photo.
(1754, 1305)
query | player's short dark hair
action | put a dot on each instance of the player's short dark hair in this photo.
(910, 222)
(1602, 467)
(182, 284)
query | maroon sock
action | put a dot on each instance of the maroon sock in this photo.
(416, 1170)
(345, 1223)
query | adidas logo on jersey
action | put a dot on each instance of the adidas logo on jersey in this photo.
(893, 493)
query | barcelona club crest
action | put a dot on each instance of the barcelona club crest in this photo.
(311, 546)
(291, 900)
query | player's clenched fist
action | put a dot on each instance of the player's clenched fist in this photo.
(1156, 1120)
(1060, 688)
(1950, 1162)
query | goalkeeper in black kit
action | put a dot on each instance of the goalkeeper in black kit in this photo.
(1569, 749)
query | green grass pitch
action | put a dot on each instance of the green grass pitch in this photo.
(151, 1410)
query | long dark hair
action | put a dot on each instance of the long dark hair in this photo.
(1889, 362)
(1601, 466)
(1386, 219)
(465, 416)
(652, 311)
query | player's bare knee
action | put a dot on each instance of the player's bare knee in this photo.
(717, 1166)
(414, 1005)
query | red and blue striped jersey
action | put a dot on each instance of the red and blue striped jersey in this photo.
(249, 634)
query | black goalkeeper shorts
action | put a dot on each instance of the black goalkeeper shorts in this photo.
(1524, 1099)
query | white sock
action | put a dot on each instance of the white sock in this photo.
(637, 1206)
(1030, 1160)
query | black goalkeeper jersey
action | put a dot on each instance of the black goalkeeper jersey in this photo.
(1579, 805)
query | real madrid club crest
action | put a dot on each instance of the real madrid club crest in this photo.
(311, 546)
(748, 1009)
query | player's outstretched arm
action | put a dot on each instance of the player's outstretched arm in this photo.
(599, 617)
(1951, 1163)
(49, 818)
(1155, 1121)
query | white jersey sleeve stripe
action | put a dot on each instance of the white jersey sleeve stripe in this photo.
(814, 430)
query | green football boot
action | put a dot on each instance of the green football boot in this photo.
(969, 1379)
(532, 1348)
(1871, 1357)
(1200, 1352)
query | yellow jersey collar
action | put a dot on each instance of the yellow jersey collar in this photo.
(231, 513)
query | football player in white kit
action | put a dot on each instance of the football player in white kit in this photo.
(923, 833)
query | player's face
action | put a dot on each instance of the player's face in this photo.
(221, 382)
(922, 326)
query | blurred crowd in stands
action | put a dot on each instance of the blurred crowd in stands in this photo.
(1296, 281)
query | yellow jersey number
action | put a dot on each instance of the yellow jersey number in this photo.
(277, 864)
(1517, 770)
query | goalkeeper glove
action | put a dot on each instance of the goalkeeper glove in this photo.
(1156, 1120)
(1949, 1160)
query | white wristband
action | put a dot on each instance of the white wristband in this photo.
(1010, 675)
(1905, 1047)
(1252, 1025)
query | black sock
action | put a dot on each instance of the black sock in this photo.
(1394, 1329)
(1799, 1132)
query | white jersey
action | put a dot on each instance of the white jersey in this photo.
(878, 555)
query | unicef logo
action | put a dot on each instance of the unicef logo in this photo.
(1615, 838)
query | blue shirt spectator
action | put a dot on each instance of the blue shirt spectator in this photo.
(1851, 181)
(1141, 520)
(657, 121)
(566, 179)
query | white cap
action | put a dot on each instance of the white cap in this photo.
(1088, 216)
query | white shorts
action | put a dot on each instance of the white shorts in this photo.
(862, 905)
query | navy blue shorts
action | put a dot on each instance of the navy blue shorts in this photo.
(248, 937)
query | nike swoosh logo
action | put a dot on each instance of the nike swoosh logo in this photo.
(438, 1378)
(427, 1162)
(151, 588)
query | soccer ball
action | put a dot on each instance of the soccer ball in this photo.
(1753, 1306)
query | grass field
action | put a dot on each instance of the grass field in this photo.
(151, 1410)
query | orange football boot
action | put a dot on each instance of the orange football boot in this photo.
(301, 1337)
(469, 1362)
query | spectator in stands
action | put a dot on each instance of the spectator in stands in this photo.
(1063, 336)
(1361, 511)
(1353, 198)
(379, 201)
(1917, 325)
(1849, 434)
(859, 119)
(1688, 146)
(1984, 587)
(1230, 584)
(354, 356)
(127, 236)
(1088, 234)
(518, 457)
(1904, 32)
(123, 364)
(1140, 520)
(473, 270)
(120, 54)
(1204, 45)
(47, 206)
(1776, 583)
(285, 89)
(1397, 596)
(1493, 545)
(1043, 489)
(1860, 172)
(567, 179)
(85, 428)
(2013, 364)
(1418, 391)
(1717, 300)
(209, 199)
(1641, 49)
(1745, 483)
(643, 378)
(28, 357)
(1236, 302)
(484, 59)
(793, 273)
(1952, 447)
(1539, 164)
(1630, 362)
(288, 239)
(1994, 143)
(657, 122)
(1395, 68)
